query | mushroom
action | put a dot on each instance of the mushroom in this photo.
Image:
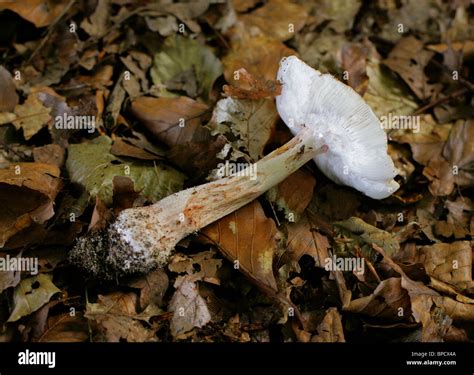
(357, 154)
(143, 238)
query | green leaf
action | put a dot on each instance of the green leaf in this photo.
(188, 62)
(31, 294)
(92, 165)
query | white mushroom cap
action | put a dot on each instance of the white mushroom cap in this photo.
(357, 154)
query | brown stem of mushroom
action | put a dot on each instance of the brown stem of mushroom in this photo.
(143, 238)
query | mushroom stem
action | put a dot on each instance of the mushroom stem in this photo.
(143, 238)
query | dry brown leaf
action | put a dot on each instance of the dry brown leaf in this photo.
(40, 12)
(293, 194)
(260, 56)
(250, 238)
(278, 19)
(177, 123)
(116, 317)
(353, 60)
(409, 58)
(31, 116)
(451, 263)
(65, 328)
(304, 239)
(27, 197)
(152, 288)
(388, 301)
(8, 96)
(330, 329)
(189, 308)
(249, 87)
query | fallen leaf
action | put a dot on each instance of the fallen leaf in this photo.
(293, 194)
(8, 96)
(186, 60)
(330, 329)
(31, 116)
(354, 61)
(27, 196)
(250, 121)
(451, 263)
(39, 12)
(278, 19)
(260, 56)
(249, 238)
(9, 279)
(249, 87)
(92, 165)
(117, 319)
(304, 239)
(152, 288)
(177, 123)
(189, 308)
(31, 294)
(65, 328)
(364, 233)
(409, 59)
(96, 24)
(389, 301)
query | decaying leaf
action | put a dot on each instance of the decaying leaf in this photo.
(259, 55)
(409, 59)
(31, 294)
(293, 194)
(389, 301)
(364, 233)
(8, 96)
(117, 318)
(304, 239)
(330, 329)
(278, 19)
(27, 195)
(189, 308)
(249, 239)
(177, 123)
(251, 121)
(65, 328)
(31, 116)
(92, 165)
(38, 12)
(185, 64)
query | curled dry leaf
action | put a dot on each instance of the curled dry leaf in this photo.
(249, 239)
(27, 196)
(388, 301)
